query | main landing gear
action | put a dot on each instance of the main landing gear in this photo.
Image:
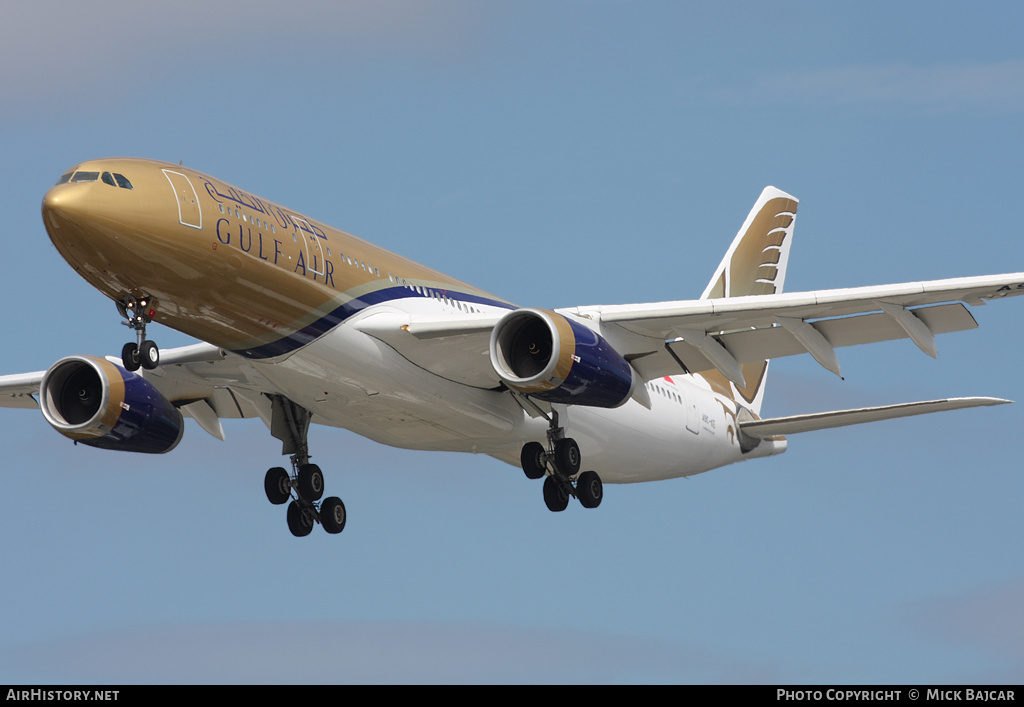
(304, 487)
(560, 464)
(307, 483)
(138, 312)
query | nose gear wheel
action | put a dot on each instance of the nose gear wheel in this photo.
(138, 311)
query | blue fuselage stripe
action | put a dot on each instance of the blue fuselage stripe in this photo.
(324, 324)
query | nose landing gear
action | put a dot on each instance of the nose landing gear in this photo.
(138, 312)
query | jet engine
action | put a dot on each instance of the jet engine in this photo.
(550, 357)
(98, 403)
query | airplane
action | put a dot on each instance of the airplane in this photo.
(301, 323)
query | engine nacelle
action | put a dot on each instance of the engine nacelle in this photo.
(95, 402)
(550, 357)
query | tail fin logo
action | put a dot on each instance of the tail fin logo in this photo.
(755, 264)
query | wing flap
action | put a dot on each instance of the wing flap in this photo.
(775, 342)
(794, 424)
(754, 345)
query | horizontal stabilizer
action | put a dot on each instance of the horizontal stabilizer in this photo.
(841, 418)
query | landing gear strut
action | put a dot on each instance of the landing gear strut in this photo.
(305, 485)
(560, 462)
(138, 312)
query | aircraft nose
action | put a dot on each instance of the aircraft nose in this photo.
(60, 204)
(51, 199)
(70, 216)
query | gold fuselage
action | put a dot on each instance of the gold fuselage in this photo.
(222, 265)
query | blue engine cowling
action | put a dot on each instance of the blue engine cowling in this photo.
(98, 403)
(550, 357)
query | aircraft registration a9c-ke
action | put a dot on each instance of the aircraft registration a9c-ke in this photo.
(304, 323)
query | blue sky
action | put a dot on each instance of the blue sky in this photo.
(555, 154)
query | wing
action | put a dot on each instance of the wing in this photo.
(694, 336)
(201, 380)
(20, 390)
(719, 334)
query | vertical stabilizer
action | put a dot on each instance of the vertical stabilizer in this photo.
(755, 264)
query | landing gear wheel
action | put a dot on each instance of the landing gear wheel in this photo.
(332, 515)
(555, 496)
(289, 422)
(130, 356)
(138, 311)
(310, 482)
(300, 520)
(149, 355)
(589, 489)
(532, 459)
(567, 456)
(277, 486)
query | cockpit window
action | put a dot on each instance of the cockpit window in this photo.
(112, 178)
